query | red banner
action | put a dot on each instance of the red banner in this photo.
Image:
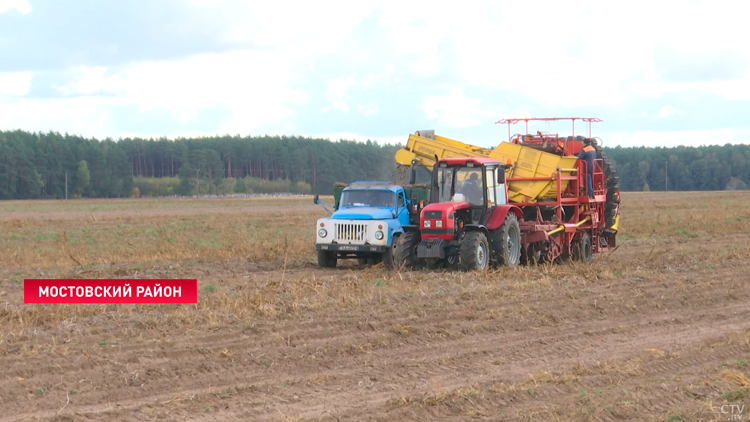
(110, 291)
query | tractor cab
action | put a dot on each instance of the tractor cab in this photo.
(472, 186)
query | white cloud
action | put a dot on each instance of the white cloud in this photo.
(732, 90)
(368, 109)
(454, 109)
(255, 87)
(417, 31)
(84, 116)
(22, 6)
(336, 91)
(93, 81)
(570, 56)
(15, 84)
(667, 111)
(310, 29)
(589, 54)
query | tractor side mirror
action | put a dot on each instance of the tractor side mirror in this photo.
(315, 199)
(501, 173)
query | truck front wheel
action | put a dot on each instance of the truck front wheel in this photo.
(327, 259)
(389, 256)
(474, 252)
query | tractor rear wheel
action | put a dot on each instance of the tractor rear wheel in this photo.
(506, 243)
(327, 259)
(474, 252)
(582, 250)
(406, 250)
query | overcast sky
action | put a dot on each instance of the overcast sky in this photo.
(657, 72)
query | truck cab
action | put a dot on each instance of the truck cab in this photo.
(368, 218)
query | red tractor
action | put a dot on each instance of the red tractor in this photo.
(473, 223)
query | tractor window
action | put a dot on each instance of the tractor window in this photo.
(445, 183)
(468, 181)
(401, 202)
(471, 184)
(365, 198)
(491, 186)
(500, 194)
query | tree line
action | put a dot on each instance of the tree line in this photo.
(41, 165)
(715, 167)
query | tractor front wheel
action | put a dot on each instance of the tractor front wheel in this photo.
(474, 252)
(327, 259)
(406, 250)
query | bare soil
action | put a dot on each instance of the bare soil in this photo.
(657, 330)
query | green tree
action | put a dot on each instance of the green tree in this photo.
(83, 177)
(188, 180)
(240, 186)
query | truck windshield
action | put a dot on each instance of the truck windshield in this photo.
(367, 198)
(468, 181)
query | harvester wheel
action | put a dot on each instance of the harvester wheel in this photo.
(474, 252)
(531, 255)
(582, 250)
(327, 259)
(613, 189)
(389, 256)
(406, 250)
(362, 261)
(506, 243)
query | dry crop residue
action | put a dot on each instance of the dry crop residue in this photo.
(657, 330)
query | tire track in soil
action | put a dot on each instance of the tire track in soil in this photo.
(319, 363)
(476, 360)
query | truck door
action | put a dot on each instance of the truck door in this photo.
(402, 211)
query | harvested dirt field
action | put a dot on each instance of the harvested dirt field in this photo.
(658, 330)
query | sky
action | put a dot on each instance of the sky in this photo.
(658, 73)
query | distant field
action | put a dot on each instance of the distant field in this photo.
(82, 232)
(657, 330)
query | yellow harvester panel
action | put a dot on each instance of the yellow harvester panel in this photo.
(529, 162)
(425, 149)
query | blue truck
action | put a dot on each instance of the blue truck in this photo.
(365, 222)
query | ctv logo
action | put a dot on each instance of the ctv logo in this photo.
(733, 410)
